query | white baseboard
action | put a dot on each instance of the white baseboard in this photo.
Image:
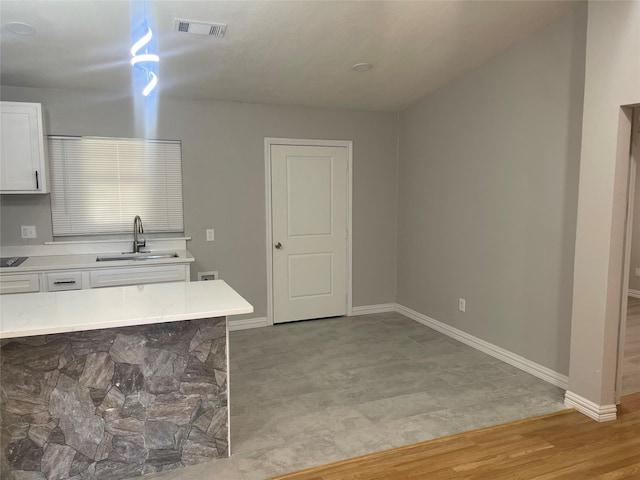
(600, 413)
(368, 309)
(634, 293)
(535, 369)
(246, 323)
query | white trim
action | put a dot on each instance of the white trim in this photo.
(634, 293)
(349, 147)
(500, 353)
(228, 386)
(626, 267)
(269, 229)
(600, 413)
(114, 238)
(268, 142)
(368, 309)
(247, 323)
(92, 247)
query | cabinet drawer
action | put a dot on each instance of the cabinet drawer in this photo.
(112, 277)
(20, 283)
(59, 281)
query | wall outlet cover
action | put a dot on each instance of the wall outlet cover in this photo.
(210, 235)
(462, 304)
(205, 276)
(28, 231)
(637, 271)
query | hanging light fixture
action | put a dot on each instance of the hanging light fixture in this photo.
(142, 59)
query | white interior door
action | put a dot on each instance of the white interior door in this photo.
(309, 231)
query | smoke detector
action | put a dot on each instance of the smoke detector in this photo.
(200, 28)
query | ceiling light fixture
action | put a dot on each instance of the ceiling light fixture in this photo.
(153, 81)
(20, 28)
(362, 67)
(144, 58)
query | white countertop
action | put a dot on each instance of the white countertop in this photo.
(28, 314)
(63, 262)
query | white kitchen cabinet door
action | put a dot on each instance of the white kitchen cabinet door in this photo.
(115, 277)
(19, 283)
(22, 160)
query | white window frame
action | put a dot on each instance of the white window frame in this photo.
(99, 184)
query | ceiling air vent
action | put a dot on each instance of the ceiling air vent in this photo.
(200, 28)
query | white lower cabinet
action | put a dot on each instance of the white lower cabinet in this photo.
(20, 283)
(62, 280)
(112, 277)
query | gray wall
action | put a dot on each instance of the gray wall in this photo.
(17, 210)
(487, 203)
(224, 179)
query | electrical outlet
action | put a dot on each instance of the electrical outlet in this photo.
(462, 304)
(210, 235)
(204, 276)
(637, 271)
(28, 231)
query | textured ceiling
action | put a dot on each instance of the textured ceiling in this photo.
(280, 52)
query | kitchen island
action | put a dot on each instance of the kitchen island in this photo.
(115, 382)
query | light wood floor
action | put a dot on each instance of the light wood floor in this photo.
(564, 445)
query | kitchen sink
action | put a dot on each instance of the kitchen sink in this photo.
(136, 256)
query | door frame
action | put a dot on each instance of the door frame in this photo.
(634, 159)
(268, 142)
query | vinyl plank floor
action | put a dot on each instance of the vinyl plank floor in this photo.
(310, 393)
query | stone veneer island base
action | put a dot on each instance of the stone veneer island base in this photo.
(114, 403)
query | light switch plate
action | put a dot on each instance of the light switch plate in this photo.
(210, 235)
(28, 231)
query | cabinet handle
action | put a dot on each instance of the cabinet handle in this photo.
(64, 282)
(37, 181)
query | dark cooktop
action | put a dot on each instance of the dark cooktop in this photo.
(11, 261)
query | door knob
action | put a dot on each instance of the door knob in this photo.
(278, 245)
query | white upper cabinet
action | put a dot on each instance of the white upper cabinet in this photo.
(23, 168)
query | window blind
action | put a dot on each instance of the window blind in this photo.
(99, 185)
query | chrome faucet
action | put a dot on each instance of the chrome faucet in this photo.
(137, 228)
